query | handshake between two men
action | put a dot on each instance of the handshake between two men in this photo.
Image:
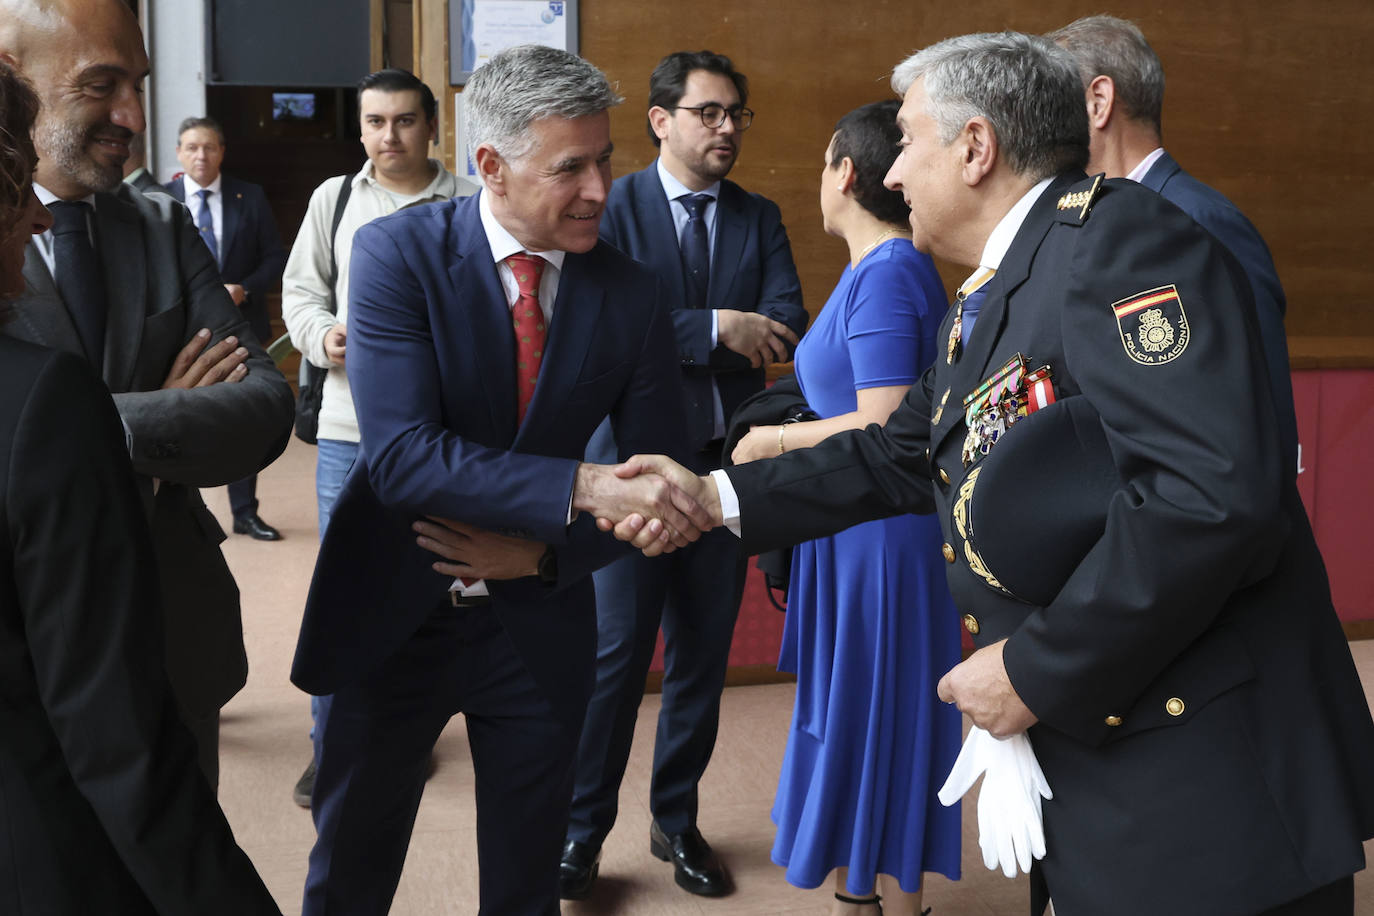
(650, 501)
(657, 506)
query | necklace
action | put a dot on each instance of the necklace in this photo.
(886, 234)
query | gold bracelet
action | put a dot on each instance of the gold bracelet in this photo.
(781, 447)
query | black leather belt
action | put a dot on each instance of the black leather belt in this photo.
(458, 600)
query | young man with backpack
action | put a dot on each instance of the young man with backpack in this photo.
(399, 120)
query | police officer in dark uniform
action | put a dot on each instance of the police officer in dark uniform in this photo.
(1184, 679)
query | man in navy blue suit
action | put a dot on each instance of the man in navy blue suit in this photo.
(1124, 83)
(488, 337)
(727, 274)
(236, 224)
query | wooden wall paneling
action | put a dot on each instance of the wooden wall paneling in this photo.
(377, 29)
(400, 34)
(1270, 105)
(431, 65)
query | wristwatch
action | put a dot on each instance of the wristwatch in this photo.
(548, 567)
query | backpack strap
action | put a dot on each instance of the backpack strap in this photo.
(339, 206)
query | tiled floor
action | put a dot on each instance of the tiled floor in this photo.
(265, 746)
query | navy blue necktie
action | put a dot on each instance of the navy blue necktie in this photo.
(696, 250)
(78, 277)
(205, 222)
(973, 304)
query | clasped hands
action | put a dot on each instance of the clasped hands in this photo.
(650, 501)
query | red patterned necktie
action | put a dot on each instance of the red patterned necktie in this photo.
(529, 327)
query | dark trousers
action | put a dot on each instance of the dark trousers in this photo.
(694, 594)
(1334, 899)
(374, 758)
(243, 497)
(205, 729)
(243, 494)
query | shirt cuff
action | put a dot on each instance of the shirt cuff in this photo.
(715, 327)
(729, 501)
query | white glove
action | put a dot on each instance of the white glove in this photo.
(1010, 829)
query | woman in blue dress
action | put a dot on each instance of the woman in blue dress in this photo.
(870, 624)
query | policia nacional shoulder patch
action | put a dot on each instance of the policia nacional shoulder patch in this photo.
(1153, 325)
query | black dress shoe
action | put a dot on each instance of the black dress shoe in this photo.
(305, 787)
(256, 528)
(694, 864)
(577, 871)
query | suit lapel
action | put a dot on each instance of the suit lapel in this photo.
(232, 211)
(729, 247)
(478, 295)
(40, 316)
(660, 232)
(576, 314)
(119, 241)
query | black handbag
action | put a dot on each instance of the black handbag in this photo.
(781, 403)
(310, 394)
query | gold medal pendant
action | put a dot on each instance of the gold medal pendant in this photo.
(956, 330)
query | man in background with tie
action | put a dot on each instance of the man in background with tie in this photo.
(726, 273)
(236, 224)
(124, 280)
(488, 337)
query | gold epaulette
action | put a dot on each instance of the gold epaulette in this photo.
(1082, 201)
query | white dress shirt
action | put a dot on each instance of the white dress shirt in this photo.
(1137, 174)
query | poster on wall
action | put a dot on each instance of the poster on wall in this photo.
(464, 166)
(479, 29)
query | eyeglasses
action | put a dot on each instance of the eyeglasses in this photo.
(713, 115)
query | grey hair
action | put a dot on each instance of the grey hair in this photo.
(1026, 86)
(522, 84)
(1108, 46)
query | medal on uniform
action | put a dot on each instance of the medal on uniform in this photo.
(1039, 391)
(999, 401)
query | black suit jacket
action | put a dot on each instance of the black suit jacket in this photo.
(145, 182)
(103, 807)
(163, 287)
(251, 253)
(1201, 722)
(751, 271)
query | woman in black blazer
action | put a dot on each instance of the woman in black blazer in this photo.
(102, 806)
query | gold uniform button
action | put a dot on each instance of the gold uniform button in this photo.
(944, 476)
(948, 551)
(1174, 706)
(971, 624)
(1113, 721)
